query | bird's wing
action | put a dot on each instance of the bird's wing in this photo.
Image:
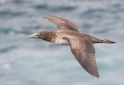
(84, 52)
(62, 24)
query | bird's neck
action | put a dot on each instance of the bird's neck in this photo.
(49, 36)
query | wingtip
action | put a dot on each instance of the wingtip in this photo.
(96, 76)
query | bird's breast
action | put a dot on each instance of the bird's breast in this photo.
(61, 41)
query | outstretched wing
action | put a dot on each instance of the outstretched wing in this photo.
(62, 24)
(84, 52)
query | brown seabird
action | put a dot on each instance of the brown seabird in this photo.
(81, 44)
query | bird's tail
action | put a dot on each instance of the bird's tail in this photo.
(108, 41)
(96, 40)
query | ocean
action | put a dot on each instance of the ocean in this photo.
(37, 62)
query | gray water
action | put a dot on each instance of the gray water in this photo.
(36, 62)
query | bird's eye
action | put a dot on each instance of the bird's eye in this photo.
(38, 36)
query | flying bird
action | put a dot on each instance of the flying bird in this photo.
(81, 44)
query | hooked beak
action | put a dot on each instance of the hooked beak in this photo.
(35, 36)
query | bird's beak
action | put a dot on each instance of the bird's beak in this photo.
(36, 36)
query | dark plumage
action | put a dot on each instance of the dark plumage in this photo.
(81, 44)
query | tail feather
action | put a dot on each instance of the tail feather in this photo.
(108, 41)
(96, 40)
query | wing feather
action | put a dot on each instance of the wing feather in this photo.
(62, 24)
(84, 52)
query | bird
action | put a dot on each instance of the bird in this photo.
(81, 44)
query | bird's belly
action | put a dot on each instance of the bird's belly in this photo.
(61, 41)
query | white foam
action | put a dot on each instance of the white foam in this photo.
(6, 66)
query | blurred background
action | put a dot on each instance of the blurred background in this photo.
(36, 62)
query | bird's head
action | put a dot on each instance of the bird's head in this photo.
(38, 35)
